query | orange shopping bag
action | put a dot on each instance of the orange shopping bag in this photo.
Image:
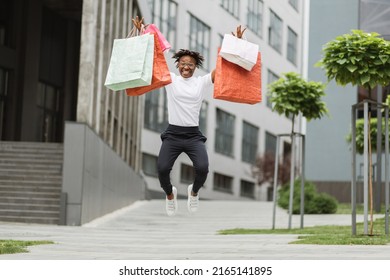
(234, 83)
(161, 75)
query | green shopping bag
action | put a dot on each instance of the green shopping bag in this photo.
(131, 63)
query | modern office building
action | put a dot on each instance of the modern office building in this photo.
(236, 133)
(70, 148)
(328, 155)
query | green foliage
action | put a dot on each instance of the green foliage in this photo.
(358, 58)
(373, 134)
(323, 203)
(292, 95)
(315, 203)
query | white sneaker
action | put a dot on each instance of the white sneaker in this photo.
(171, 205)
(193, 201)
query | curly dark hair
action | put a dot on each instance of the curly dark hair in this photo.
(195, 55)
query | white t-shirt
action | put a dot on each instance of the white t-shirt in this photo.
(185, 96)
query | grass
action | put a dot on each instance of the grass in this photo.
(346, 208)
(18, 246)
(326, 235)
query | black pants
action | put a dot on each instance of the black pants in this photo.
(177, 140)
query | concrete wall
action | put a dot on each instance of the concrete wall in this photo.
(342, 190)
(95, 179)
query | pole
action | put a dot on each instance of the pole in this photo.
(353, 182)
(302, 179)
(387, 170)
(366, 167)
(275, 180)
(292, 175)
(378, 187)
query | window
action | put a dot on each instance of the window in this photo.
(247, 189)
(203, 118)
(294, 4)
(164, 15)
(199, 39)
(249, 142)
(255, 16)
(187, 174)
(3, 96)
(223, 183)
(115, 134)
(6, 23)
(156, 112)
(292, 42)
(48, 112)
(2, 34)
(232, 6)
(272, 77)
(149, 165)
(275, 32)
(270, 143)
(224, 134)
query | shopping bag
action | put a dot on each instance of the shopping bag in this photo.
(152, 28)
(234, 83)
(131, 62)
(239, 51)
(161, 75)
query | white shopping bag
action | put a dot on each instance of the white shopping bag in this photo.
(131, 63)
(239, 51)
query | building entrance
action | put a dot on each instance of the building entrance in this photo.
(39, 66)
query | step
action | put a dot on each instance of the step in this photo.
(30, 188)
(30, 182)
(11, 145)
(30, 220)
(27, 183)
(31, 156)
(11, 171)
(30, 160)
(32, 177)
(54, 194)
(29, 200)
(51, 165)
(29, 213)
(23, 173)
(4, 207)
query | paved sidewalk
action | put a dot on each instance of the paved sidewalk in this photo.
(143, 232)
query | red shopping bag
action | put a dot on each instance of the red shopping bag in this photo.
(161, 75)
(235, 84)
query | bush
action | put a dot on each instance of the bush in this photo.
(315, 203)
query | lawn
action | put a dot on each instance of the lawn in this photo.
(345, 208)
(18, 246)
(328, 235)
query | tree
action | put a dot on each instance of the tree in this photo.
(292, 95)
(358, 58)
(360, 135)
(265, 168)
(362, 59)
